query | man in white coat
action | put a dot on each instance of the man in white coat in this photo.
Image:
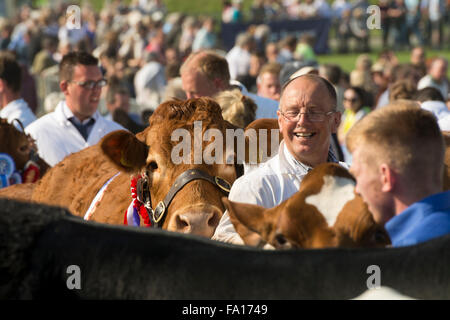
(205, 74)
(75, 124)
(307, 117)
(12, 106)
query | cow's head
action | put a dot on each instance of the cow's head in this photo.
(325, 212)
(167, 149)
(19, 146)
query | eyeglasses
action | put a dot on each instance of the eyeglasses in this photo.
(91, 84)
(294, 116)
(350, 100)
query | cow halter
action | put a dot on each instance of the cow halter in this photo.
(157, 216)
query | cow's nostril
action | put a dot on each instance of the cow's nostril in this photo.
(213, 220)
(182, 222)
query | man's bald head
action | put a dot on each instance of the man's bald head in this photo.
(325, 84)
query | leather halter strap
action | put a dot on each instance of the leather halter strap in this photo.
(158, 215)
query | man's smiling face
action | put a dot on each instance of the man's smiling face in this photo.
(308, 141)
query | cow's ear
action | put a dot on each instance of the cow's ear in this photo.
(124, 150)
(249, 220)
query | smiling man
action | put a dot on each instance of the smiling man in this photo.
(307, 117)
(75, 124)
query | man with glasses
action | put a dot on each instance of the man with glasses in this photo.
(75, 124)
(307, 117)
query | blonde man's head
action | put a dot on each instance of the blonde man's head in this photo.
(236, 108)
(405, 137)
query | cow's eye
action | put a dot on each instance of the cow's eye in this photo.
(380, 237)
(153, 165)
(280, 239)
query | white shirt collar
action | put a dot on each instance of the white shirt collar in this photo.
(69, 114)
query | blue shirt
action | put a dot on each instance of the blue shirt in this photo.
(422, 221)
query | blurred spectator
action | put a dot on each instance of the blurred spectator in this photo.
(174, 87)
(271, 52)
(187, 35)
(398, 72)
(413, 16)
(380, 78)
(402, 89)
(304, 50)
(343, 32)
(268, 81)
(118, 98)
(361, 76)
(205, 74)
(238, 109)
(149, 82)
(257, 60)
(332, 72)
(355, 109)
(12, 106)
(436, 77)
(323, 9)
(205, 38)
(397, 13)
(238, 57)
(261, 36)
(384, 6)
(358, 27)
(288, 46)
(418, 60)
(232, 11)
(431, 99)
(44, 59)
(6, 29)
(436, 11)
(307, 9)
(257, 12)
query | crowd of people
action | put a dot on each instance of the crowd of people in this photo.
(51, 78)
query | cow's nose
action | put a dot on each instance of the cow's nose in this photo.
(199, 222)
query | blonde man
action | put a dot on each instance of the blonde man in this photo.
(236, 108)
(398, 154)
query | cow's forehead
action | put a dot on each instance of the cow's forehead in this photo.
(334, 194)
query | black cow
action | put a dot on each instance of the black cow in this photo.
(39, 243)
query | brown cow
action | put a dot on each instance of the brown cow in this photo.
(325, 212)
(23, 151)
(196, 208)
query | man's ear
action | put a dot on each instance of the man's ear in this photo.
(63, 86)
(336, 122)
(2, 85)
(219, 84)
(388, 178)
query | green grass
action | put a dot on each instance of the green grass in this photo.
(347, 61)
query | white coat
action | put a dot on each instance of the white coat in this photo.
(56, 137)
(18, 109)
